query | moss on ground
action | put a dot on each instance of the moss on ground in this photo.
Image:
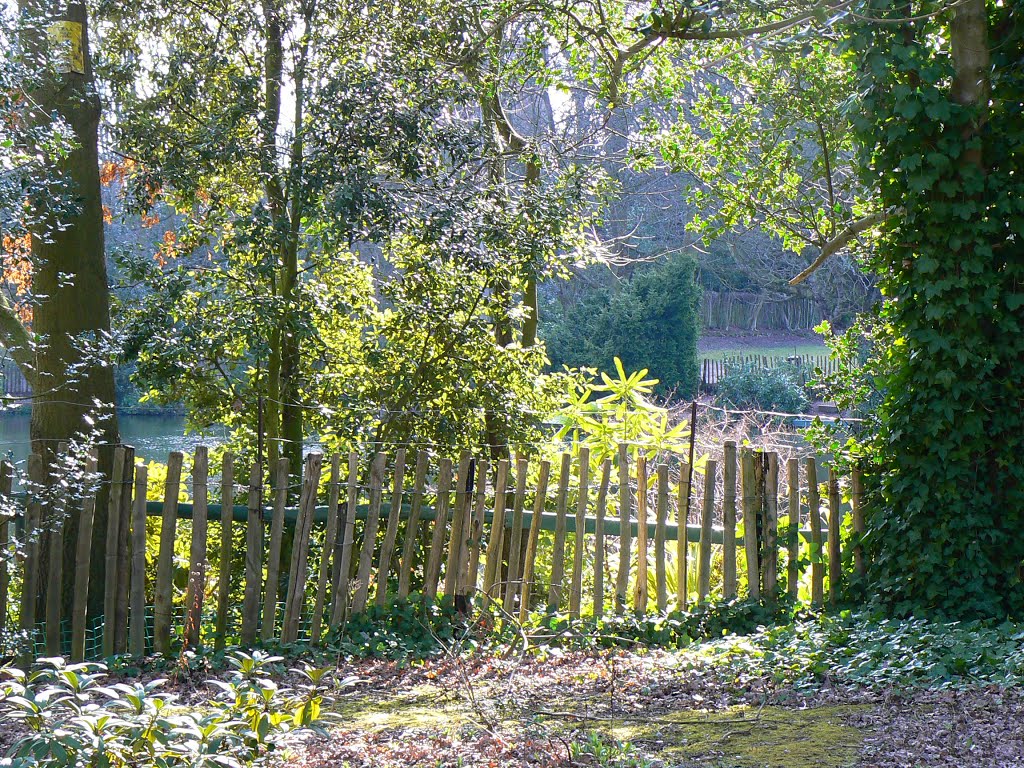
(775, 737)
(739, 737)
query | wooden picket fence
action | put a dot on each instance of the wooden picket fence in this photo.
(713, 371)
(468, 529)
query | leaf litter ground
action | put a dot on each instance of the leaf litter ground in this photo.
(671, 708)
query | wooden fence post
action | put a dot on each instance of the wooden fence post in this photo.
(197, 553)
(111, 558)
(330, 537)
(227, 515)
(476, 533)
(432, 573)
(457, 543)
(558, 551)
(83, 559)
(835, 566)
(412, 526)
(137, 598)
(269, 624)
(299, 569)
(814, 504)
(750, 515)
(793, 559)
(640, 588)
(253, 557)
(661, 513)
(32, 544)
(124, 553)
(515, 544)
(729, 521)
(682, 542)
(387, 548)
(165, 560)
(582, 499)
(369, 534)
(771, 530)
(341, 587)
(492, 561)
(602, 507)
(625, 533)
(55, 561)
(704, 564)
(539, 502)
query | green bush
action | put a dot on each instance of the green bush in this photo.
(767, 389)
(651, 321)
(72, 717)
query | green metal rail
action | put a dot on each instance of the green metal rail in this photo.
(240, 513)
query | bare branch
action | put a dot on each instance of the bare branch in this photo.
(840, 240)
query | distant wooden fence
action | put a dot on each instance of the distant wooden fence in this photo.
(14, 382)
(619, 535)
(736, 310)
(713, 371)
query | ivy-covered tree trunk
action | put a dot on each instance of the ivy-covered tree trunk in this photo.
(941, 130)
(73, 384)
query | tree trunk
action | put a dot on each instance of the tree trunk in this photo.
(74, 387)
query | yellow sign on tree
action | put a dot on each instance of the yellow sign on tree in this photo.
(66, 46)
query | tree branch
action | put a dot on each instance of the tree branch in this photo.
(840, 240)
(16, 339)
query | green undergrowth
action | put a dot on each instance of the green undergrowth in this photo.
(866, 651)
(784, 643)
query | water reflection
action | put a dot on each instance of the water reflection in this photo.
(153, 436)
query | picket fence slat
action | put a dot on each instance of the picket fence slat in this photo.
(137, 597)
(793, 540)
(625, 507)
(682, 545)
(515, 544)
(123, 555)
(253, 557)
(492, 561)
(437, 540)
(661, 513)
(412, 525)
(227, 499)
(834, 570)
(299, 569)
(457, 540)
(327, 553)
(558, 551)
(197, 551)
(477, 528)
(165, 558)
(814, 512)
(531, 544)
(729, 520)
(370, 533)
(640, 591)
(599, 515)
(280, 485)
(55, 565)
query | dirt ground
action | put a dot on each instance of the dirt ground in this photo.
(655, 709)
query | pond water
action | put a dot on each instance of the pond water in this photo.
(153, 435)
